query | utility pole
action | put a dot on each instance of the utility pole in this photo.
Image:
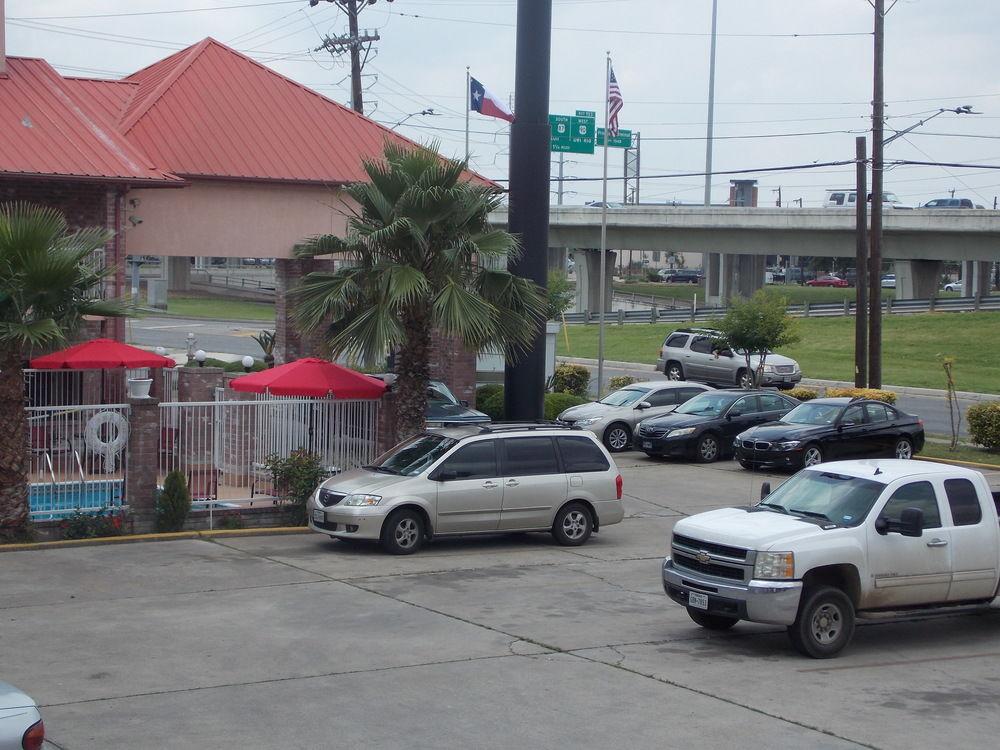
(861, 267)
(875, 266)
(559, 195)
(353, 43)
(778, 191)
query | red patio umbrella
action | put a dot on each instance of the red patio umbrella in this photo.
(100, 354)
(311, 377)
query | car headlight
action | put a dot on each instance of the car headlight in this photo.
(774, 565)
(362, 500)
(680, 431)
(768, 368)
(588, 421)
(788, 445)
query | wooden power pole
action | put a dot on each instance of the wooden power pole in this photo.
(875, 267)
(352, 43)
(861, 266)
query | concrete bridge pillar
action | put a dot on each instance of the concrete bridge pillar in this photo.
(179, 274)
(975, 278)
(588, 279)
(748, 274)
(917, 279)
(712, 266)
(558, 257)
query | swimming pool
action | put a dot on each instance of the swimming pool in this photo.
(49, 501)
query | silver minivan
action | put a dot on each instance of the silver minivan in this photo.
(475, 480)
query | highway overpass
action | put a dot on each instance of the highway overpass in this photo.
(917, 239)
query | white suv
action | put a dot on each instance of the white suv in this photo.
(475, 480)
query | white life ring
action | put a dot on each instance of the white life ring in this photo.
(119, 433)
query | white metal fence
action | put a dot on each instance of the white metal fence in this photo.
(221, 446)
(72, 387)
(77, 458)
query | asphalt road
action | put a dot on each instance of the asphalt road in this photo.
(508, 641)
(932, 409)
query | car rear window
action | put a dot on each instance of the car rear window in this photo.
(581, 454)
(529, 456)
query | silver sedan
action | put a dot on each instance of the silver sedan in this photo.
(614, 417)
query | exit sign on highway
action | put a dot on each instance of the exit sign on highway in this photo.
(572, 133)
(622, 140)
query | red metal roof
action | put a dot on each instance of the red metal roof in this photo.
(209, 111)
(49, 131)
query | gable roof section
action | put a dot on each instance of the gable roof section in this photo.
(209, 111)
(51, 131)
(108, 97)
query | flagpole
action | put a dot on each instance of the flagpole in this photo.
(468, 106)
(604, 233)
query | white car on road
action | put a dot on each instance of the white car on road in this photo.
(21, 726)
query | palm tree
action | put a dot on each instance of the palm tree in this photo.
(421, 256)
(48, 282)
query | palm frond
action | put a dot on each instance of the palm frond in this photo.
(33, 333)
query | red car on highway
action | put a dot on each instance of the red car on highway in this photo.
(827, 281)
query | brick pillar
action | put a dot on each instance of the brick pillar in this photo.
(387, 434)
(290, 343)
(142, 461)
(454, 365)
(199, 383)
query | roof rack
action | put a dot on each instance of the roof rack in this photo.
(538, 424)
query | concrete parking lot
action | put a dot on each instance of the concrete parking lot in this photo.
(499, 642)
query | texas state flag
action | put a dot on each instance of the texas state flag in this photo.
(485, 103)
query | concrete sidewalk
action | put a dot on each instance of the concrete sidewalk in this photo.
(903, 390)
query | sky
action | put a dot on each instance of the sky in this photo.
(793, 79)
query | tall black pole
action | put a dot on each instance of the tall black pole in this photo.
(861, 266)
(875, 267)
(524, 380)
(357, 98)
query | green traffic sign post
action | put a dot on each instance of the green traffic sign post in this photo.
(572, 133)
(622, 140)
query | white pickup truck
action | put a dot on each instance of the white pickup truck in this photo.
(836, 541)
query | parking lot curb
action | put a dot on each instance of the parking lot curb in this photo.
(904, 390)
(166, 537)
(956, 462)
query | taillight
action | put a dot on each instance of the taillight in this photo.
(618, 486)
(34, 737)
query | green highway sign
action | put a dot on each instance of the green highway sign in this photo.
(572, 133)
(622, 140)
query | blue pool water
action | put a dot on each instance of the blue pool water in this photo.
(52, 501)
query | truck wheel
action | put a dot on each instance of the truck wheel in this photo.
(825, 623)
(744, 379)
(673, 371)
(711, 622)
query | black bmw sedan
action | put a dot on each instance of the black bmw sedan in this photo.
(830, 428)
(703, 428)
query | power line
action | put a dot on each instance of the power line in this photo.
(789, 168)
(156, 12)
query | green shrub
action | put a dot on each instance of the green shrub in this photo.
(490, 403)
(484, 392)
(295, 479)
(173, 503)
(652, 276)
(887, 397)
(984, 424)
(620, 381)
(556, 403)
(802, 394)
(104, 522)
(571, 379)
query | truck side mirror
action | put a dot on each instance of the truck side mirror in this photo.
(911, 522)
(765, 490)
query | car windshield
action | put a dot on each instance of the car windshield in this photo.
(412, 457)
(841, 499)
(813, 414)
(624, 397)
(709, 404)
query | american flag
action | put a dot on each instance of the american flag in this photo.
(615, 104)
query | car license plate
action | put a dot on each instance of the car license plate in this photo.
(647, 444)
(698, 601)
(319, 516)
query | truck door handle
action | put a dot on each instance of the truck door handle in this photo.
(937, 543)
(490, 484)
(512, 483)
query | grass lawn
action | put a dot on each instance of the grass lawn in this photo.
(963, 453)
(794, 293)
(911, 345)
(220, 308)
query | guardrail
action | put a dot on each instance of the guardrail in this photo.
(805, 310)
(232, 282)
